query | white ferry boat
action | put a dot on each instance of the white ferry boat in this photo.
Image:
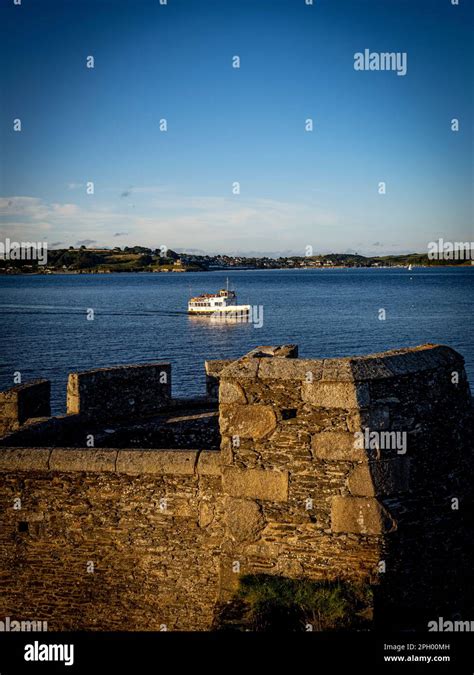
(221, 304)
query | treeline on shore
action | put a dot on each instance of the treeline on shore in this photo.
(142, 259)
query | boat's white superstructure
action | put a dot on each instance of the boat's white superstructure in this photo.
(222, 303)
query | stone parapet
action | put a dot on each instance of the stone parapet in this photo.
(90, 460)
(120, 392)
(356, 468)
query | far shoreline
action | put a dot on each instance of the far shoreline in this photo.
(232, 269)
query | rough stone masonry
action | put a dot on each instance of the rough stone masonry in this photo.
(311, 480)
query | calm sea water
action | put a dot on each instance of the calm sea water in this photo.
(142, 317)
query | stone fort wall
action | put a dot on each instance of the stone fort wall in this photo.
(110, 540)
(103, 538)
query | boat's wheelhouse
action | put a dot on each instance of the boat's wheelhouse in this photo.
(210, 302)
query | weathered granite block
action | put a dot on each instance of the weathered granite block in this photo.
(82, 460)
(256, 484)
(380, 478)
(244, 519)
(335, 394)
(247, 421)
(231, 392)
(298, 370)
(337, 446)
(213, 370)
(24, 459)
(138, 462)
(360, 516)
(279, 351)
(209, 463)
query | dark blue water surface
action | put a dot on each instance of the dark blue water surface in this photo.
(142, 317)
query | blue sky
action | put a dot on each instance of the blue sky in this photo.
(298, 188)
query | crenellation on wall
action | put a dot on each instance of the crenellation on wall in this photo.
(321, 411)
(246, 364)
(213, 370)
(120, 392)
(22, 403)
(326, 468)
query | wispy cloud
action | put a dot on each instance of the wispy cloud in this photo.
(171, 219)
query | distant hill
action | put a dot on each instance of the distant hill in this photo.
(142, 259)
